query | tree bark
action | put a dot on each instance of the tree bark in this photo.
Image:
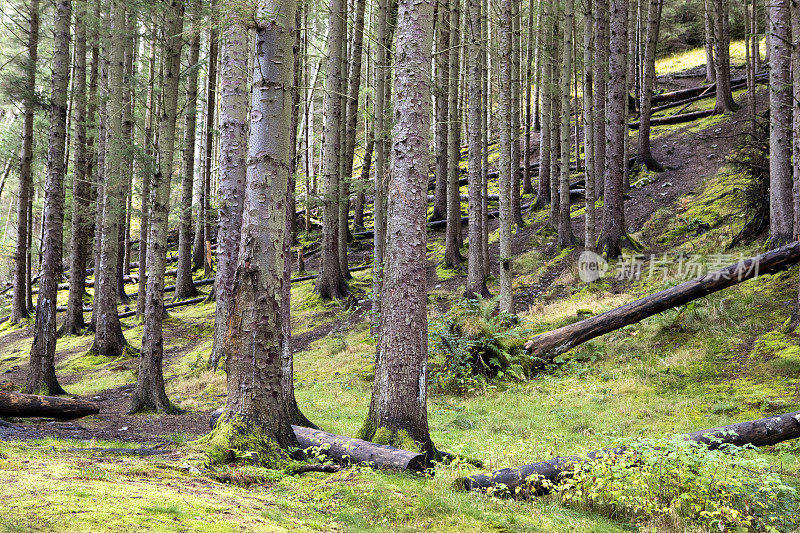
(645, 155)
(108, 339)
(331, 282)
(614, 204)
(255, 338)
(184, 288)
(441, 91)
(81, 187)
(527, 186)
(516, 82)
(453, 236)
(565, 235)
(708, 42)
(19, 304)
(14, 404)
(41, 370)
(722, 58)
(543, 197)
(590, 220)
(780, 126)
(150, 394)
(553, 343)
(506, 166)
(600, 69)
(398, 410)
(540, 478)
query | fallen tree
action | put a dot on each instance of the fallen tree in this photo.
(553, 343)
(540, 478)
(675, 119)
(15, 404)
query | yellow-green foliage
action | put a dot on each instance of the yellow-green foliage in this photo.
(233, 440)
(782, 349)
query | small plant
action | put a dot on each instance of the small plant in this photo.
(675, 484)
(472, 343)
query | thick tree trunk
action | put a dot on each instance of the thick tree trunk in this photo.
(600, 69)
(14, 404)
(614, 204)
(453, 236)
(232, 175)
(81, 187)
(565, 235)
(541, 478)
(441, 90)
(398, 411)
(780, 126)
(506, 164)
(19, 304)
(645, 155)
(476, 271)
(41, 370)
(553, 343)
(555, 120)
(149, 394)
(331, 282)
(255, 339)
(184, 288)
(108, 339)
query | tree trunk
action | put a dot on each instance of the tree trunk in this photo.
(600, 69)
(541, 478)
(476, 271)
(108, 339)
(331, 282)
(149, 394)
(14, 404)
(645, 155)
(722, 58)
(780, 125)
(19, 304)
(565, 235)
(398, 411)
(553, 343)
(81, 187)
(232, 175)
(41, 371)
(516, 82)
(614, 205)
(184, 288)
(590, 220)
(708, 42)
(545, 29)
(453, 235)
(506, 166)
(527, 186)
(441, 91)
(255, 336)
(485, 107)
(555, 119)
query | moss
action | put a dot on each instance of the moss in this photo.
(782, 350)
(396, 438)
(234, 440)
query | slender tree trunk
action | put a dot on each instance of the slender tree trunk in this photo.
(555, 120)
(750, 60)
(149, 393)
(147, 170)
(795, 135)
(81, 188)
(485, 106)
(108, 339)
(331, 282)
(614, 205)
(255, 340)
(708, 42)
(537, 67)
(41, 377)
(184, 286)
(400, 412)
(441, 90)
(722, 60)
(600, 70)
(19, 305)
(211, 108)
(454, 236)
(780, 126)
(545, 29)
(590, 220)
(645, 155)
(516, 154)
(506, 165)
(123, 258)
(527, 186)
(476, 271)
(232, 175)
(565, 235)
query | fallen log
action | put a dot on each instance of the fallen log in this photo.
(346, 450)
(684, 94)
(539, 478)
(553, 343)
(171, 305)
(15, 404)
(675, 119)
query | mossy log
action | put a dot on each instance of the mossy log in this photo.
(683, 94)
(540, 478)
(15, 404)
(676, 119)
(553, 343)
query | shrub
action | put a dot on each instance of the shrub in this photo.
(682, 485)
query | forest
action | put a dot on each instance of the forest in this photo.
(400, 265)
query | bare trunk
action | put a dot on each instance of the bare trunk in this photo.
(441, 90)
(41, 376)
(184, 288)
(485, 106)
(545, 29)
(600, 69)
(645, 155)
(454, 236)
(565, 235)
(527, 186)
(722, 57)
(590, 220)
(708, 42)
(232, 176)
(506, 166)
(19, 304)
(399, 391)
(149, 394)
(516, 156)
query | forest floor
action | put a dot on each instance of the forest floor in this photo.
(723, 359)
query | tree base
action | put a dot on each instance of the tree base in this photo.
(234, 440)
